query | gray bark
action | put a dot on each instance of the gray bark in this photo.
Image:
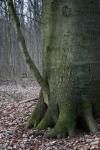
(71, 35)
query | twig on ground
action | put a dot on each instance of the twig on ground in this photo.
(26, 101)
(30, 106)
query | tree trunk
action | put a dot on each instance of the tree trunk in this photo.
(71, 36)
(70, 65)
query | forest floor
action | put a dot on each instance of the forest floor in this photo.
(14, 113)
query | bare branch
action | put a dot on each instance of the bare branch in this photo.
(22, 42)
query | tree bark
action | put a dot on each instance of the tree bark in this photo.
(71, 50)
(71, 32)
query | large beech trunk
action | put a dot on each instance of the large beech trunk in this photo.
(71, 38)
(71, 53)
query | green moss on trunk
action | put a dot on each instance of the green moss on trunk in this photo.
(71, 52)
(38, 113)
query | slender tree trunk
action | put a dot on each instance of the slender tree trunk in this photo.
(28, 60)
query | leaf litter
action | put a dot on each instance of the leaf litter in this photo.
(14, 134)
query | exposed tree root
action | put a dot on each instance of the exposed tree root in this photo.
(62, 119)
(50, 117)
(65, 123)
(38, 113)
(87, 109)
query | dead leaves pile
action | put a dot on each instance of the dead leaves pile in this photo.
(14, 134)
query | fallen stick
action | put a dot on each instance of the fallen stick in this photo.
(26, 101)
(30, 106)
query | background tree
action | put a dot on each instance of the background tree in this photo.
(12, 65)
(70, 55)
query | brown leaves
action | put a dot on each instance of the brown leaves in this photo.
(14, 134)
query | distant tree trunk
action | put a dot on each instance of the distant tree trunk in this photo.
(71, 37)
